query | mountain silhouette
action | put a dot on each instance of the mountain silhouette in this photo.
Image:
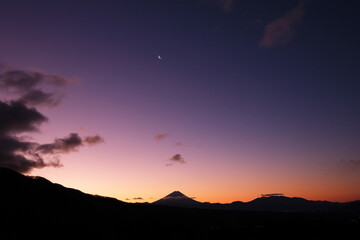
(282, 203)
(268, 203)
(35, 205)
(177, 199)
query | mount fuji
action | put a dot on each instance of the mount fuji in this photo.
(264, 203)
(177, 199)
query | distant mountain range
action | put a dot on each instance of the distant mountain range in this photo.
(16, 186)
(34, 206)
(271, 203)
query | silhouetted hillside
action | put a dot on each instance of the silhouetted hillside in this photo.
(35, 207)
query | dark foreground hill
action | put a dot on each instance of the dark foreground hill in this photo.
(37, 208)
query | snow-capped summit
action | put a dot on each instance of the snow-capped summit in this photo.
(177, 199)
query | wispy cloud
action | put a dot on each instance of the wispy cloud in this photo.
(93, 140)
(160, 136)
(272, 195)
(68, 144)
(282, 30)
(177, 158)
(138, 198)
(33, 87)
(62, 145)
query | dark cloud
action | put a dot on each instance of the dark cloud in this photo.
(32, 87)
(179, 144)
(15, 117)
(93, 140)
(282, 30)
(17, 80)
(62, 145)
(21, 156)
(138, 198)
(19, 116)
(16, 153)
(160, 136)
(20, 163)
(68, 144)
(12, 144)
(38, 97)
(23, 80)
(272, 195)
(177, 158)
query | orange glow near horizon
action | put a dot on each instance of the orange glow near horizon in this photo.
(129, 180)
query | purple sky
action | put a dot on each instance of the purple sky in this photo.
(248, 98)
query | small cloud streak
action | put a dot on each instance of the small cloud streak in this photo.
(177, 158)
(281, 30)
(93, 140)
(62, 145)
(160, 136)
(272, 195)
(68, 144)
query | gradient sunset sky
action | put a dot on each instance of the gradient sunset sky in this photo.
(222, 100)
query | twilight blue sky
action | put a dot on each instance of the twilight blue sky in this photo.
(268, 89)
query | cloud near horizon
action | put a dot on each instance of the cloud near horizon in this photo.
(18, 115)
(272, 195)
(282, 30)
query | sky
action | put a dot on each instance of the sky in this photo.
(223, 100)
